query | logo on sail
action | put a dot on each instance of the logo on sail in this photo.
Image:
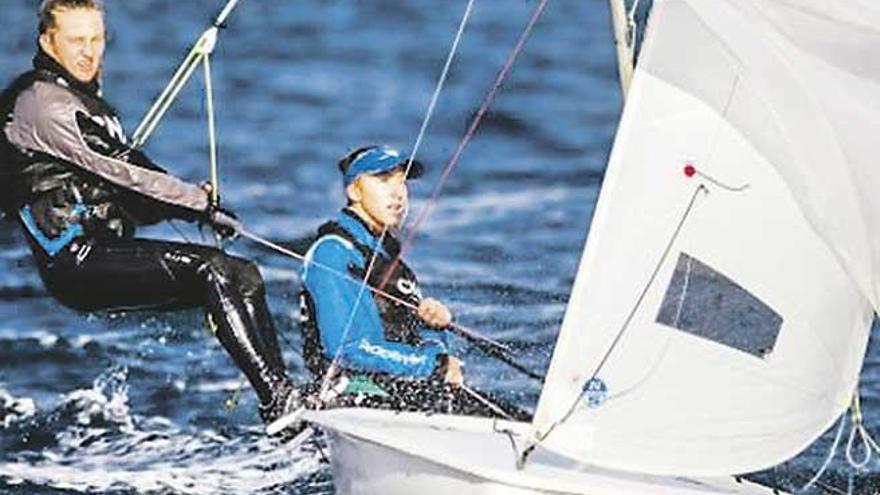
(595, 393)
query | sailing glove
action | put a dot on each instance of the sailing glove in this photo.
(224, 222)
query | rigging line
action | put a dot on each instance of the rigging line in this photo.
(632, 12)
(212, 132)
(486, 402)
(478, 118)
(381, 241)
(221, 19)
(180, 232)
(465, 332)
(495, 353)
(444, 75)
(632, 25)
(328, 375)
(858, 429)
(700, 189)
(203, 46)
(491, 347)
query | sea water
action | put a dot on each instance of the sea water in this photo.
(148, 402)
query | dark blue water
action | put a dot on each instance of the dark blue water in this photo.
(138, 403)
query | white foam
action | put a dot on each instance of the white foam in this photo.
(13, 410)
(148, 469)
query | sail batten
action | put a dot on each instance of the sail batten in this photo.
(747, 343)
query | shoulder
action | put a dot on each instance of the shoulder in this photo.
(332, 249)
(331, 245)
(44, 101)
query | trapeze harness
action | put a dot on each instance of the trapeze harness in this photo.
(79, 200)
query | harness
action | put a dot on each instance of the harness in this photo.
(400, 323)
(12, 160)
(39, 189)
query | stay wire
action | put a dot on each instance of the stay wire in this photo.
(471, 131)
(381, 241)
(203, 47)
(212, 132)
(444, 75)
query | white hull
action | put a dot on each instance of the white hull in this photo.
(364, 468)
(386, 453)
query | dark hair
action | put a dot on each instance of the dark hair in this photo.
(351, 156)
(49, 8)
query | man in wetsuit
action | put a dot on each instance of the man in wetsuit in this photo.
(79, 190)
(393, 349)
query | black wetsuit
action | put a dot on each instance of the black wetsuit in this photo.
(79, 190)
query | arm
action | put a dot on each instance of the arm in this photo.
(49, 119)
(364, 347)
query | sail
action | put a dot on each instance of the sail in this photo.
(721, 310)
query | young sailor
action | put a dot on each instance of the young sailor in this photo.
(393, 348)
(71, 180)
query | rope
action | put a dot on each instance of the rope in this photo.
(425, 122)
(632, 25)
(700, 189)
(443, 77)
(212, 131)
(858, 430)
(328, 376)
(484, 107)
(869, 445)
(459, 329)
(221, 19)
(179, 231)
(829, 457)
(486, 402)
(203, 47)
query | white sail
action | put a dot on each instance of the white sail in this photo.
(727, 289)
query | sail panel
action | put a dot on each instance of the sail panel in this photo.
(703, 302)
(731, 154)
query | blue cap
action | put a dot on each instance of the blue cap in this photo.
(377, 160)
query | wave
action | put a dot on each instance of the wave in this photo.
(90, 442)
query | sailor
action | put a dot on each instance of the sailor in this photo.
(388, 342)
(78, 189)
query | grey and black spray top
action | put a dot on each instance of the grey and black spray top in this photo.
(65, 161)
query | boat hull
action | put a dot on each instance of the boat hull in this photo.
(361, 467)
(384, 453)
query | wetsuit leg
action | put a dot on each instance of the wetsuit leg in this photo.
(150, 274)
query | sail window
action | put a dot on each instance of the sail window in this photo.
(702, 302)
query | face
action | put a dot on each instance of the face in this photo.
(77, 42)
(380, 200)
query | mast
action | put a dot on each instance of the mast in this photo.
(625, 43)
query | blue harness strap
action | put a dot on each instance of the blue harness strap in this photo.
(54, 245)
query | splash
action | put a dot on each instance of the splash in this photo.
(14, 410)
(105, 404)
(91, 442)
